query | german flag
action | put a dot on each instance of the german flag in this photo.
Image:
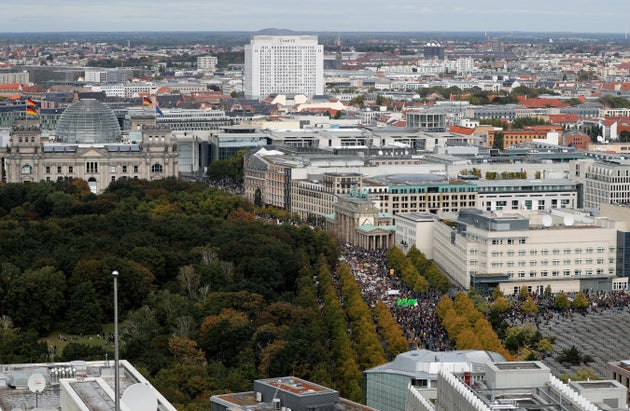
(31, 103)
(31, 111)
(146, 101)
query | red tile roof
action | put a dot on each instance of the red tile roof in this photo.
(11, 87)
(461, 130)
(563, 118)
(541, 102)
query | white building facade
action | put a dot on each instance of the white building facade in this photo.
(283, 64)
(529, 250)
(208, 63)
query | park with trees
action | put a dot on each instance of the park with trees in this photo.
(210, 297)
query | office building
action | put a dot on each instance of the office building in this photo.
(522, 385)
(387, 386)
(415, 229)
(284, 65)
(314, 198)
(425, 193)
(227, 141)
(604, 182)
(504, 195)
(286, 394)
(433, 51)
(193, 120)
(620, 371)
(513, 250)
(8, 77)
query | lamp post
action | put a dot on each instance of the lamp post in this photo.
(116, 370)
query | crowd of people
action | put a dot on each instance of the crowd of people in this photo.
(598, 302)
(418, 320)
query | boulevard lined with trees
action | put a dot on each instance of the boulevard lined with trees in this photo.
(213, 296)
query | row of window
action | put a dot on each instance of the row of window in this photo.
(91, 167)
(544, 251)
(554, 273)
(555, 262)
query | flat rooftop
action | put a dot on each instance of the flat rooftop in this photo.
(295, 385)
(505, 366)
(92, 383)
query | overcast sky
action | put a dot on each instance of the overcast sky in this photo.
(577, 16)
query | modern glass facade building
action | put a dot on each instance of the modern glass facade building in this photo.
(386, 387)
(88, 122)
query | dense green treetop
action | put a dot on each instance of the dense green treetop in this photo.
(210, 298)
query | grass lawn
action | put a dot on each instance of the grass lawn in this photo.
(60, 339)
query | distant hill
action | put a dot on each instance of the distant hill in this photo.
(275, 32)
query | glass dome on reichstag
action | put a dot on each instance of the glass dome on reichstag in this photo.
(88, 122)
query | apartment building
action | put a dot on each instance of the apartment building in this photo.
(208, 63)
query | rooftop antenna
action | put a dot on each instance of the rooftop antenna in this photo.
(36, 384)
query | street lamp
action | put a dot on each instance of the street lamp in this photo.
(116, 371)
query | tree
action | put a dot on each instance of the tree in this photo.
(258, 197)
(580, 301)
(523, 294)
(501, 305)
(498, 140)
(84, 314)
(496, 293)
(494, 122)
(223, 336)
(37, 298)
(467, 340)
(395, 342)
(529, 307)
(573, 356)
(562, 302)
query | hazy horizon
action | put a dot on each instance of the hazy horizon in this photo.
(460, 16)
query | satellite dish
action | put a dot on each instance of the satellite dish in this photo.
(600, 139)
(569, 220)
(547, 221)
(36, 383)
(140, 397)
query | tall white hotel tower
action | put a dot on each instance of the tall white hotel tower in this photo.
(283, 64)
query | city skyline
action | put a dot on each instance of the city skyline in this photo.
(571, 16)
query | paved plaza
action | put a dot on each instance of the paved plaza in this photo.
(602, 335)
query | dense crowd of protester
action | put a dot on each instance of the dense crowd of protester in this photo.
(598, 302)
(417, 318)
(419, 321)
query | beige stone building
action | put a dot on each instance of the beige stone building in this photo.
(358, 222)
(89, 145)
(316, 196)
(529, 250)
